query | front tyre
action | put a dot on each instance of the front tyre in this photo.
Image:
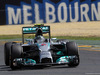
(72, 50)
(16, 51)
(7, 50)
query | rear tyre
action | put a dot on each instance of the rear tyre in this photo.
(72, 50)
(7, 49)
(16, 51)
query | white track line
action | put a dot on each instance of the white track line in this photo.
(92, 73)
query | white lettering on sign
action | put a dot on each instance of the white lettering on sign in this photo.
(26, 14)
(64, 6)
(51, 12)
(95, 11)
(12, 17)
(37, 15)
(85, 12)
(76, 12)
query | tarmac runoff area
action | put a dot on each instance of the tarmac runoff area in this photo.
(89, 63)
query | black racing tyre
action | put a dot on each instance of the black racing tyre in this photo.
(7, 49)
(16, 52)
(72, 50)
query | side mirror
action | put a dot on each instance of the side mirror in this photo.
(53, 38)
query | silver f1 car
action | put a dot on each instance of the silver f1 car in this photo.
(40, 51)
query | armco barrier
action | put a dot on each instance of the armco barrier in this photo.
(48, 11)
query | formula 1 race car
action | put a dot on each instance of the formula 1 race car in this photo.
(40, 51)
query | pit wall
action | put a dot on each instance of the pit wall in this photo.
(48, 11)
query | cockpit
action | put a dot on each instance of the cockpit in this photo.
(39, 39)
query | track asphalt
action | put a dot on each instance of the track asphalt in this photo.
(89, 64)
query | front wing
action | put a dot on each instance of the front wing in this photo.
(30, 62)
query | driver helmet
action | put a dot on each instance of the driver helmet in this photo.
(39, 38)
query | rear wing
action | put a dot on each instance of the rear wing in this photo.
(33, 30)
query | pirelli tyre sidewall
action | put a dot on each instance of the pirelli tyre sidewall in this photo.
(72, 50)
(7, 49)
(16, 52)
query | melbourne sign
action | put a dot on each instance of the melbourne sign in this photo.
(50, 12)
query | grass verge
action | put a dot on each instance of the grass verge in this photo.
(58, 37)
(9, 36)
